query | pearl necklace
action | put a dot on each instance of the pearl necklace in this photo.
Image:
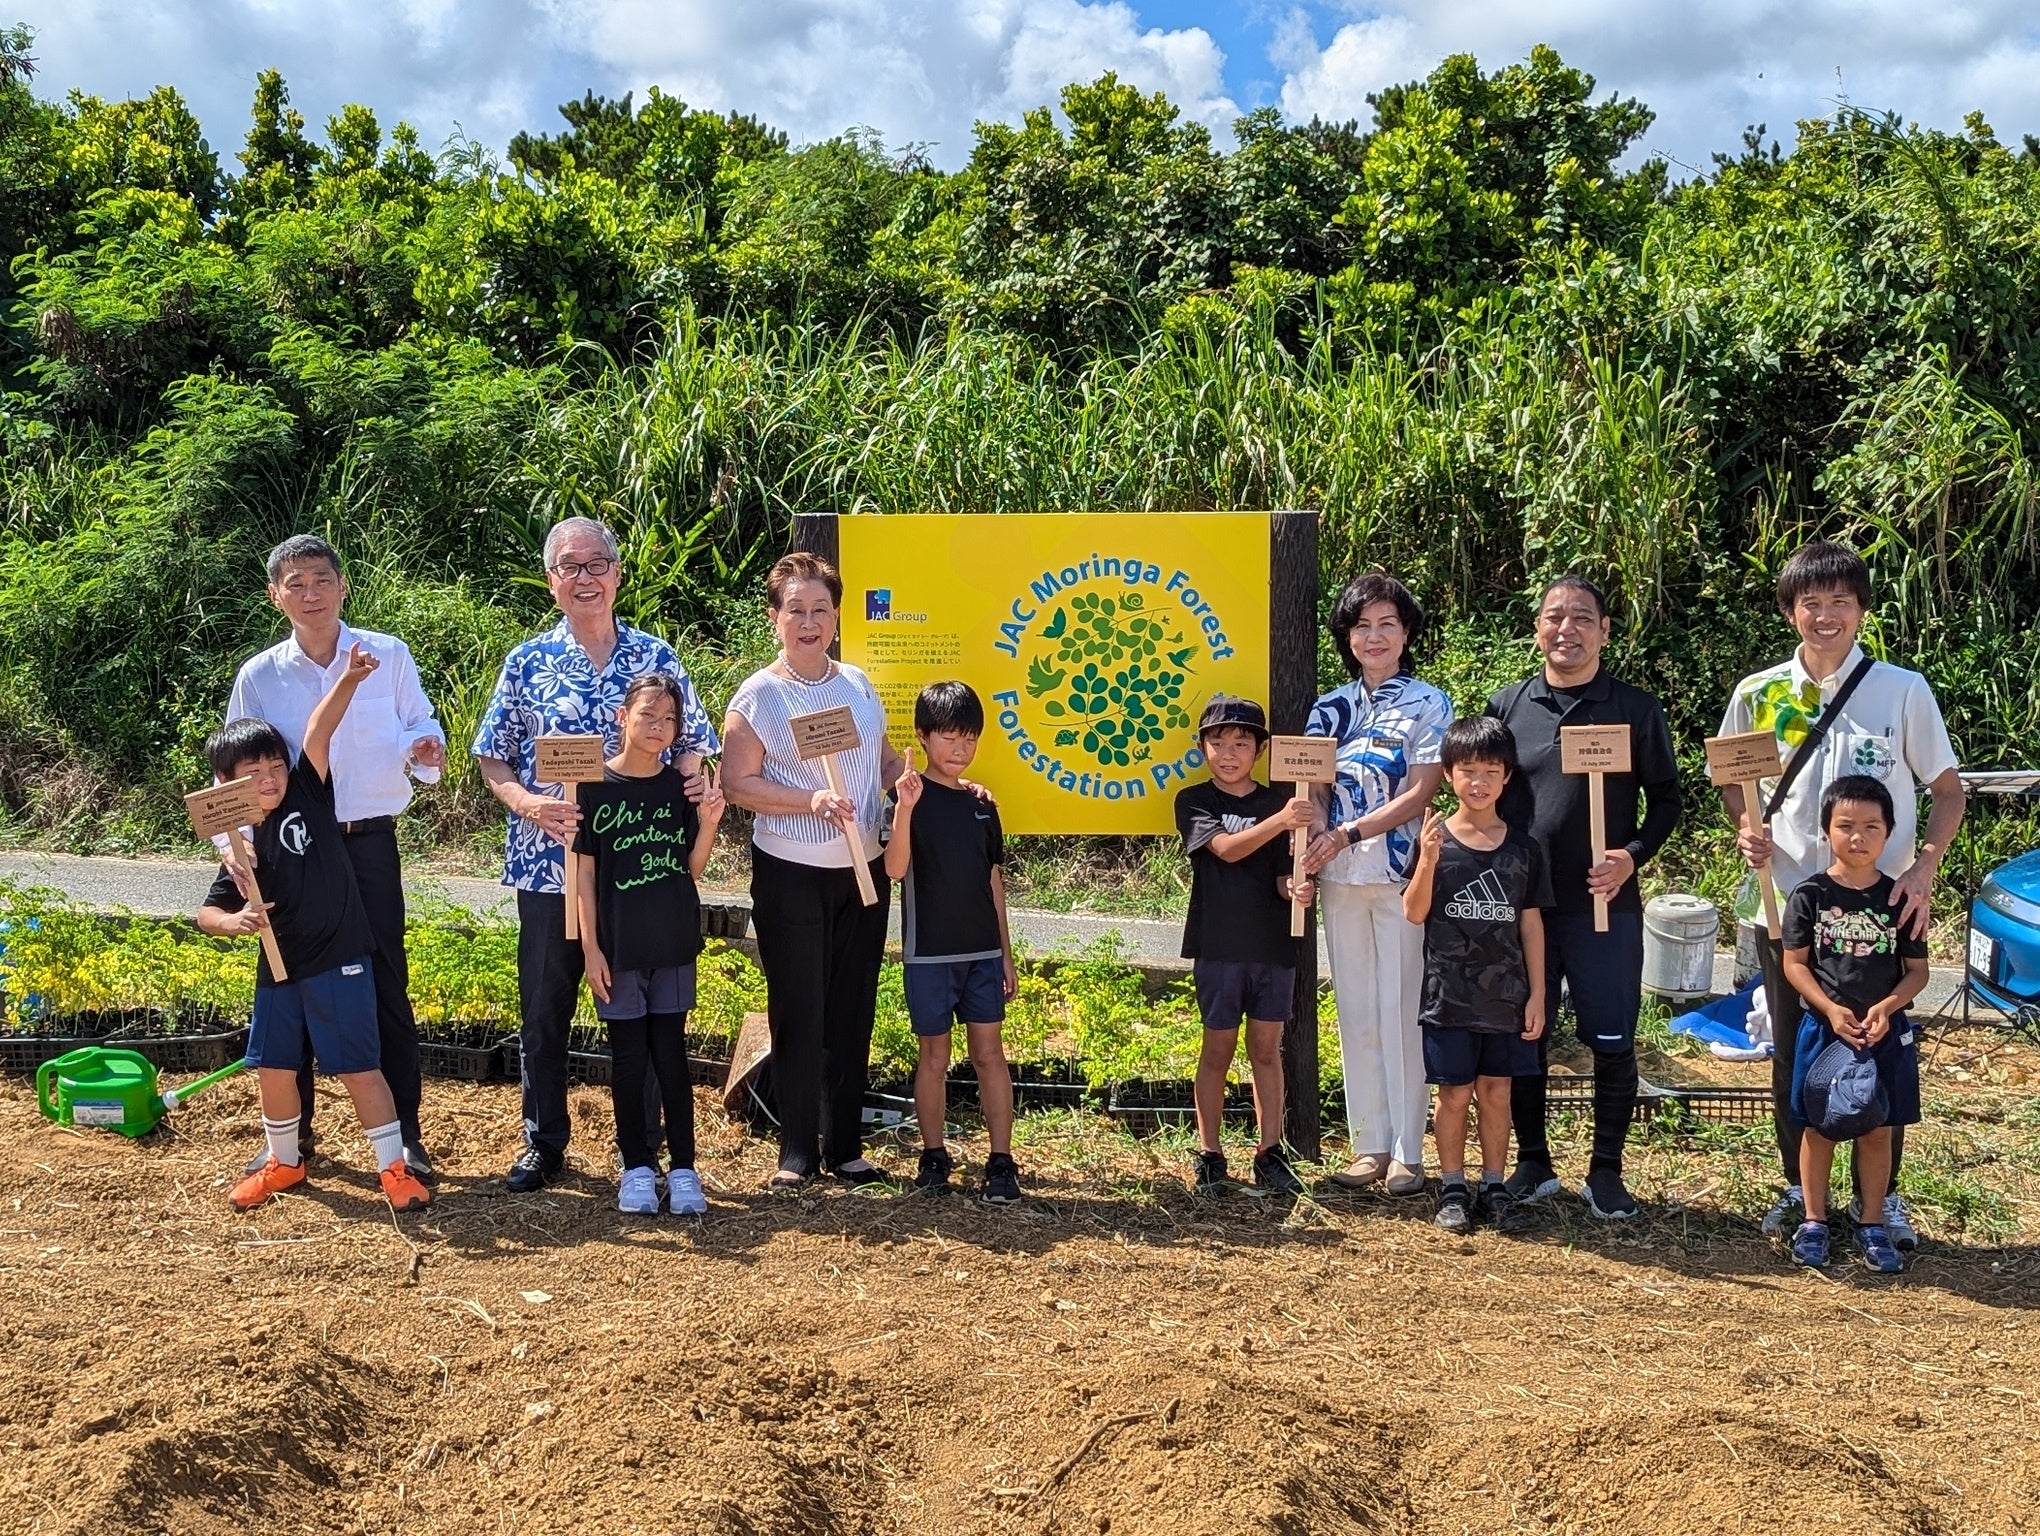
(786, 668)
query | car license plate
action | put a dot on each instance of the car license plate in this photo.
(1983, 955)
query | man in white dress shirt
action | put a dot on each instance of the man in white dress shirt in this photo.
(388, 738)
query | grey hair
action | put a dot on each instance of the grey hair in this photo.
(301, 546)
(567, 527)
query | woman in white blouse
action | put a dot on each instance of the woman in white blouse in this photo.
(819, 945)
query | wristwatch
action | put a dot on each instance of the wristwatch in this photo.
(1352, 831)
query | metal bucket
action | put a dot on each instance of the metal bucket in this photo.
(1678, 946)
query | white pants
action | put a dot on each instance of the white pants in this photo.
(1377, 978)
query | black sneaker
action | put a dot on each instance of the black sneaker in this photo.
(1455, 1207)
(1495, 1204)
(1002, 1180)
(1532, 1182)
(1607, 1197)
(1272, 1172)
(420, 1165)
(1211, 1176)
(932, 1177)
(534, 1169)
(870, 1176)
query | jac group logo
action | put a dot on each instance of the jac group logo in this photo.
(1114, 654)
(877, 604)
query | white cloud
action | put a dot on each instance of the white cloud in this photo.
(914, 70)
(1707, 70)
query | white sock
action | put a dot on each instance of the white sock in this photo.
(283, 1138)
(388, 1143)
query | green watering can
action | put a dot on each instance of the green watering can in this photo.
(105, 1086)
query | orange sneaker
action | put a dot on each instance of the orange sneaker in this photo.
(272, 1178)
(403, 1189)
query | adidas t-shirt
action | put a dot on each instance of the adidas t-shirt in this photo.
(1474, 973)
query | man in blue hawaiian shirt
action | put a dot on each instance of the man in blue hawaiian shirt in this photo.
(568, 681)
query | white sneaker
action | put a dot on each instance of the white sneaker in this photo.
(638, 1194)
(683, 1193)
(1783, 1218)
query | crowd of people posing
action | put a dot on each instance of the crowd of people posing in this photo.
(1454, 940)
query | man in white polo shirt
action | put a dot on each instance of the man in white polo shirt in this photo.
(1889, 727)
(388, 738)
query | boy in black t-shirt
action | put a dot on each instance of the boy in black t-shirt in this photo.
(1856, 965)
(641, 847)
(327, 1005)
(1478, 888)
(1236, 933)
(945, 846)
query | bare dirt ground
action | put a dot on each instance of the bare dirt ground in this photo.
(1112, 1357)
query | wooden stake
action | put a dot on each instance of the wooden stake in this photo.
(820, 736)
(860, 866)
(1743, 761)
(1597, 821)
(1596, 751)
(567, 760)
(268, 934)
(1297, 841)
(1303, 761)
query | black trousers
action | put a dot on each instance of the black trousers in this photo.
(1602, 975)
(379, 875)
(549, 972)
(657, 1040)
(1786, 1006)
(820, 947)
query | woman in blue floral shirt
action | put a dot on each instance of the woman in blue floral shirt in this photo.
(1389, 727)
(568, 681)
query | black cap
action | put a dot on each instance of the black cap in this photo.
(1224, 710)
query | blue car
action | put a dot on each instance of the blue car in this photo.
(2004, 940)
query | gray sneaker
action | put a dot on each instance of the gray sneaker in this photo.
(1783, 1218)
(1897, 1222)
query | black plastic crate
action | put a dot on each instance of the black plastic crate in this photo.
(461, 1063)
(708, 1071)
(191, 1053)
(24, 1053)
(1689, 1106)
(1145, 1109)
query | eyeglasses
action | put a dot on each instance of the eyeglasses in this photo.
(597, 567)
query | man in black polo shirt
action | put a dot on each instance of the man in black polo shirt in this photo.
(1602, 972)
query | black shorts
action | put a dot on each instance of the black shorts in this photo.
(942, 993)
(1231, 990)
(1455, 1057)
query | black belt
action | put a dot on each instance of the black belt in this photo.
(369, 827)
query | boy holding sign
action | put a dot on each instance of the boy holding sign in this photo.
(323, 1000)
(1236, 832)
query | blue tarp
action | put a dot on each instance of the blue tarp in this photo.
(1720, 1021)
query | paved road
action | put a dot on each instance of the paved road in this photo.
(165, 887)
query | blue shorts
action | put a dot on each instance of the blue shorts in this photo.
(634, 994)
(1455, 1057)
(1897, 1057)
(1231, 990)
(333, 1013)
(941, 993)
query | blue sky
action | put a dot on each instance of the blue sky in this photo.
(926, 70)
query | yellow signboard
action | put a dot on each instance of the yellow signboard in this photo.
(1094, 640)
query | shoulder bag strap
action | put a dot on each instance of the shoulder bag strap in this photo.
(1814, 737)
